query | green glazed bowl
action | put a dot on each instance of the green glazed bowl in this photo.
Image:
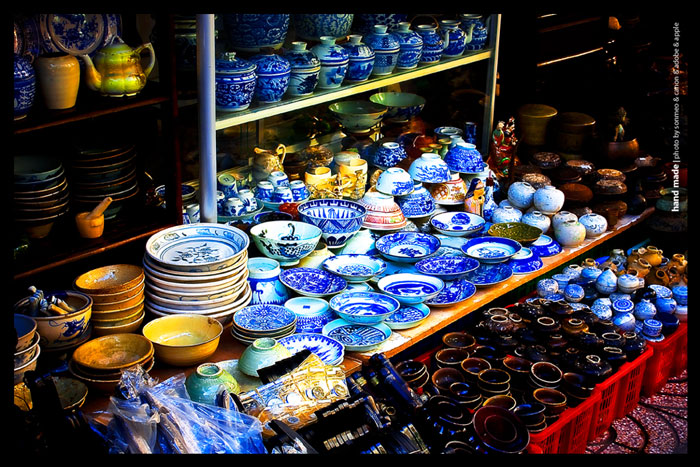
(203, 384)
(262, 353)
(357, 116)
(518, 231)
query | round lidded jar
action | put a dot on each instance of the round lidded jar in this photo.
(386, 47)
(334, 62)
(410, 46)
(361, 58)
(273, 73)
(305, 69)
(234, 82)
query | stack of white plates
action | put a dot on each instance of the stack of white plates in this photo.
(197, 268)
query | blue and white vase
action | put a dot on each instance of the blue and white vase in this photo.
(410, 47)
(666, 304)
(234, 83)
(305, 68)
(25, 86)
(475, 28)
(457, 38)
(334, 63)
(273, 72)
(386, 48)
(490, 204)
(434, 43)
(361, 58)
(252, 33)
(313, 26)
(263, 277)
(625, 321)
(644, 309)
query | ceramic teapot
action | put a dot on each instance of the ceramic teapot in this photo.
(116, 69)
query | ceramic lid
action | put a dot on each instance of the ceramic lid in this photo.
(381, 40)
(228, 63)
(270, 64)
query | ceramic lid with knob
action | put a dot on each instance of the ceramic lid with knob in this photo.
(228, 63)
(301, 58)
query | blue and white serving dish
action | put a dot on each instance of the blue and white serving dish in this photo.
(357, 337)
(338, 219)
(525, 261)
(364, 307)
(312, 313)
(489, 250)
(455, 291)
(407, 247)
(545, 246)
(447, 268)
(312, 282)
(410, 288)
(285, 241)
(264, 318)
(458, 224)
(354, 268)
(408, 316)
(329, 350)
(487, 275)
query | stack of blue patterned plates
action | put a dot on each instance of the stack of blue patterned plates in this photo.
(259, 321)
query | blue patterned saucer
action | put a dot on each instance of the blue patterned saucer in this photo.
(491, 250)
(354, 268)
(545, 246)
(447, 268)
(357, 337)
(408, 316)
(457, 224)
(490, 274)
(312, 282)
(263, 318)
(525, 261)
(454, 292)
(410, 288)
(407, 247)
(364, 307)
(329, 350)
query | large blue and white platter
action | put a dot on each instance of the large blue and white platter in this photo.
(355, 267)
(329, 350)
(447, 268)
(525, 261)
(457, 224)
(407, 247)
(364, 307)
(487, 275)
(408, 316)
(357, 337)
(77, 34)
(489, 250)
(411, 289)
(197, 247)
(545, 246)
(454, 292)
(264, 318)
(312, 282)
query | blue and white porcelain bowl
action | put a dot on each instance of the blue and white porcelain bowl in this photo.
(312, 313)
(464, 158)
(420, 203)
(454, 292)
(525, 261)
(338, 219)
(545, 246)
(354, 268)
(357, 337)
(285, 241)
(273, 72)
(410, 288)
(457, 224)
(329, 350)
(312, 282)
(489, 250)
(364, 307)
(447, 268)
(389, 154)
(680, 294)
(408, 316)
(313, 26)
(395, 181)
(430, 168)
(407, 247)
(487, 275)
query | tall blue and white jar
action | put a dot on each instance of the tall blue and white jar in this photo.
(234, 82)
(476, 29)
(25, 86)
(457, 38)
(410, 47)
(305, 68)
(248, 32)
(361, 58)
(265, 284)
(273, 72)
(386, 47)
(434, 43)
(334, 63)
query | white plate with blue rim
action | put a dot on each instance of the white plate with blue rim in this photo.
(487, 275)
(355, 267)
(407, 247)
(447, 268)
(312, 282)
(454, 292)
(457, 224)
(329, 350)
(489, 250)
(410, 289)
(408, 316)
(357, 337)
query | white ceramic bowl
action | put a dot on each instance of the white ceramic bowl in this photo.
(395, 181)
(286, 241)
(410, 288)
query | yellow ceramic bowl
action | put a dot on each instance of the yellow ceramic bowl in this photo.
(113, 352)
(105, 384)
(117, 314)
(109, 279)
(129, 303)
(132, 326)
(119, 296)
(106, 319)
(184, 339)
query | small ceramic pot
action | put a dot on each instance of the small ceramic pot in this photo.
(561, 217)
(628, 283)
(574, 293)
(361, 58)
(624, 321)
(204, 383)
(386, 47)
(606, 282)
(273, 72)
(261, 353)
(547, 287)
(548, 200)
(24, 86)
(644, 310)
(521, 195)
(410, 46)
(305, 69)
(506, 214)
(235, 80)
(537, 219)
(595, 224)
(334, 63)
(666, 305)
(570, 233)
(58, 75)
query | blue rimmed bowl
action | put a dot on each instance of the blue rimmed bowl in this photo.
(487, 275)
(354, 267)
(408, 316)
(490, 250)
(410, 288)
(447, 268)
(338, 219)
(312, 313)
(364, 307)
(312, 282)
(457, 224)
(357, 337)
(454, 292)
(545, 246)
(407, 247)
(285, 241)
(525, 261)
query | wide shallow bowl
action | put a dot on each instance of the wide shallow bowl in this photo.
(312, 313)
(364, 307)
(111, 298)
(357, 337)
(286, 241)
(487, 275)
(455, 291)
(357, 116)
(110, 279)
(113, 352)
(312, 282)
(338, 219)
(447, 268)
(354, 267)
(410, 288)
(400, 106)
(545, 246)
(457, 224)
(489, 250)
(407, 247)
(329, 350)
(522, 233)
(183, 340)
(408, 316)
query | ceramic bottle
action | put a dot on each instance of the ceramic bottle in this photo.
(334, 62)
(59, 79)
(24, 86)
(386, 48)
(305, 68)
(263, 277)
(361, 59)
(410, 46)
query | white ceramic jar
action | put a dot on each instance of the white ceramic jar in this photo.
(561, 217)
(570, 233)
(549, 200)
(506, 214)
(537, 219)
(521, 195)
(595, 224)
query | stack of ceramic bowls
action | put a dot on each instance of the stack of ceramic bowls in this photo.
(98, 173)
(199, 269)
(263, 321)
(41, 195)
(99, 362)
(117, 293)
(27, 348)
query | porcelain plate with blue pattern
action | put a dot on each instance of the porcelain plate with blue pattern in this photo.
(408, 316)
(407, 247)
(329, 350)
(489, 250)
(447, 268)
(264, 318)
(457, 224)
(454, 292)
(490, 274)
(357, 337)
(312, 282)
(354, 267)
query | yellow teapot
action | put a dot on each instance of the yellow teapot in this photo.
(116, 69)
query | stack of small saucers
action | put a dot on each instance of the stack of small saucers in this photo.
(197, 268)
(99, 362)
(117, 292)
(260, 321)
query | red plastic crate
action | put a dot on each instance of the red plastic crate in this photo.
(670, 358)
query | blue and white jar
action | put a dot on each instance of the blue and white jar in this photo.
(361, 58)
(457, 38)
(537, 219)
(603, 310)
(506, 214)
(25, 86)
(305, 68)
(625, 321)
(574, 293)
(410, 47)
(644, 309)
(313, 26)
(547, 287)
(386, 48)
(334, 63)
(680, 294)
(666, 304)
(389, 154)
(475, 28)
(434, 43)
(521, 195)
(266, 287)
(273, 72)
(595, 224)
(234, 83)
(606, 282)
(299, 190)
(548, 200)
(255, 32)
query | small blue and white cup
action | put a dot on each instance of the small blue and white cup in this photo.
(234, 207)
(652, 327)
(248, 199)
(226, 183)
(220, 202)
(265, 190)
(192, 211)
(185, 217)
(278, 178)
(299, 190)
(282, 194)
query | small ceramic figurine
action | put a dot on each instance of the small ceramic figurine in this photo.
(474, 201)
(503, 147)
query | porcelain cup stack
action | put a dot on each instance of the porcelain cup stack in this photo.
(197, 268)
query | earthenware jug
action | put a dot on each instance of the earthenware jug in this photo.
(268, 161)
(116, 69)
(59, 79)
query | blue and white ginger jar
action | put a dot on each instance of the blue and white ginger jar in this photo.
(410, 47)
(547, 287)
(334, 63)
(644, 309)
(234, 82)
(263, 277)
(386, 48)
(25, 86)
(305, 68)
(457, 38)
(311, 27)
(361, 58)
(273, 72)
(434, 43)
(254, 32)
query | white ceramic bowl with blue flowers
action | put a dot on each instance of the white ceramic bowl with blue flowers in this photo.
(354, 267)
(491, 250)
(285, 241)
(407, 247)
(411, 288)
(430, 168)
(395, 181)
(458, 224)
(357, 337)
(364, 307)
(338, 219)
